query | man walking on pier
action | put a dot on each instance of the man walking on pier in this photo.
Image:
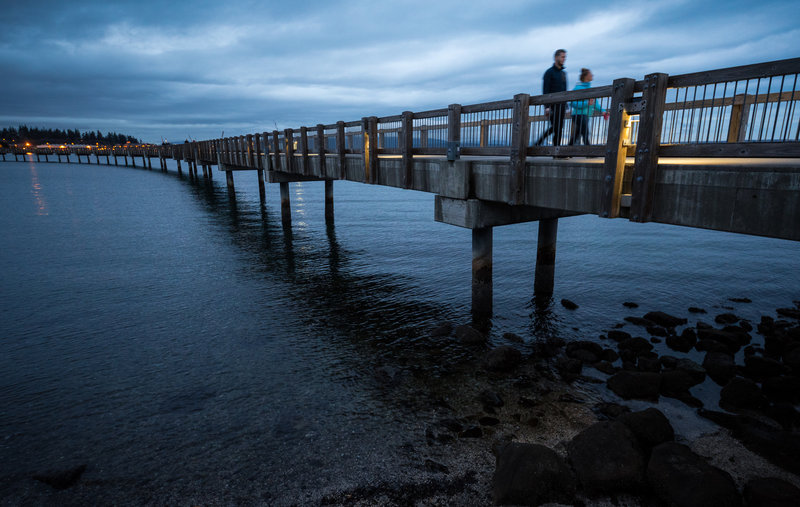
(555, 80)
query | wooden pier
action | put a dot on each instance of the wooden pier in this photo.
(715, 150)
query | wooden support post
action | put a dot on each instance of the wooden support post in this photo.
(288, 140)
(180, 172)
(97, 158)
(423, 136)
(229, 180)
(266, 161)
(737, 128)
(57, 155)
(133, 159)
(369, 129)
(286, 208)
(453, 130)
(616, 151)
(328, 201)
(38, 159)
(519, 147)
(544, 277)
(251, 156)
(484, 134)
(304, 150)
(381, 140)
(482, 272)
(340, 150)
(321, 149)
(276, 147)
(645, 169)
(407, 148)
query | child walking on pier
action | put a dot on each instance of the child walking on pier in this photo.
(583, 110)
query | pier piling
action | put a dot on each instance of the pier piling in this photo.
(229, 180)
(328, 201)
(545, 257)
(482, 272)
(286, 208)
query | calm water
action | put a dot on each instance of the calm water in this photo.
(185, 346)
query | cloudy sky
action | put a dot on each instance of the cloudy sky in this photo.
(195, 69)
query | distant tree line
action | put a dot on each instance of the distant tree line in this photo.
(36, 135)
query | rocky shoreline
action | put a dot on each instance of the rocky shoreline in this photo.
(593, 422)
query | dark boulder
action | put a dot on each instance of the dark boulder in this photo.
(433, 466)
(742, 394)
(618, 336)
(471, 432)
(694, 309)
(610, 410)
(61, 479)
(502, 359)
(676, 383)
(490, 399)
(568, 368)
(605, 367)
(682, 478)
(609, 355)
(782, 389)
(759, 368)
(707, 345)
(638, 321)
(657, 331)
(720, 367)
(697, 372)
(569, 305)
(513, 337)
(443, 329)
(630, 304)
(637, 345)
(607, 458)
(726, 318)
(664, 319)
(650, 426)
(668, 362)
(771, 492)
(684, 342)
(740, 300)
(648, 364)
(530, 474)
(469, 335)
(792, 359)
(635, 384)
(792, 313)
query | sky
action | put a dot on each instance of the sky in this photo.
(176, 70)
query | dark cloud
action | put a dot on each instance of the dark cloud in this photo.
(156, 69)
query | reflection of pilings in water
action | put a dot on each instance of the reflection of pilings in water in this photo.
(288, 246)
(286, 207)
(333, 259)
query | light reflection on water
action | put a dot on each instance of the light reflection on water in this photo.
(179, 340)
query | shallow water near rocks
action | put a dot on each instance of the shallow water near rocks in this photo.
(186, 347)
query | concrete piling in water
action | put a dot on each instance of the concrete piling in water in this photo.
(286, 207)
(328, 201)
(482, 272)
(262, 192)
(180, 171)
(544, 277)
(229, 180)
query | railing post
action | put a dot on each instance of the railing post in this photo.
(519, 147)
(423, 136)
(739, 116)
(645, 169)
(266, 161)
(276, 147)
(288, 140)
(251, 159)
(304, 149)
(369, 130)
(340, 150)
(453, 131)
(616, 151)
(407, 148)
(321, 150)
(484, 134)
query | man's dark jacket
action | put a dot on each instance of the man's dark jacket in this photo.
(555, 80)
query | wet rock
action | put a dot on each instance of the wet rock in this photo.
(684, 342)
(490, 399)
(657, 331)
(512, 337)
(610, 410)
(605, 367)
(726, 318)
(435, 467)
(451, 424)
(697, 372)
(569, 305)
(607, 458)
(609, 355)
(708, 345)
(746, 326)
(637, 345)
(650, 426)
(443, 329)
(488, 421)
(694, 309)
(592, 347)
(469, 335)
(784, 414)
(759, 368)
(792, 313)
(792, 359)
(702, 325)
(61, 479)
(629, 304)
(471, 432)
(655, 340)
(742, 394)
(664, 319)
(548, 347)
(782, 389)
(733, 336)
(569, 369)
(502, 359)
(680, 477)
(635, 384)
(648, 364)
(740, 300)
(771, 492)
(530, 474)
(638, 321)
(676, 383)
(668, 362)
(720, 367)
(619, 336)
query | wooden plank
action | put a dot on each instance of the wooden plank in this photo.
(407, 147)
(389, 119)
(369, 128)
(754, 71)
(738, 150)
(454, 129)
(519, 147)
(430, 151)
(251, 156)
(434, 113)
(321, 148)
(597, 150)
(276, 147)
(257, 151)
(288, 140)
(304, 151)
(616, 151)
(488, 106)
(588, 93)
(489, 151)
(647, 145)
(340, 149)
